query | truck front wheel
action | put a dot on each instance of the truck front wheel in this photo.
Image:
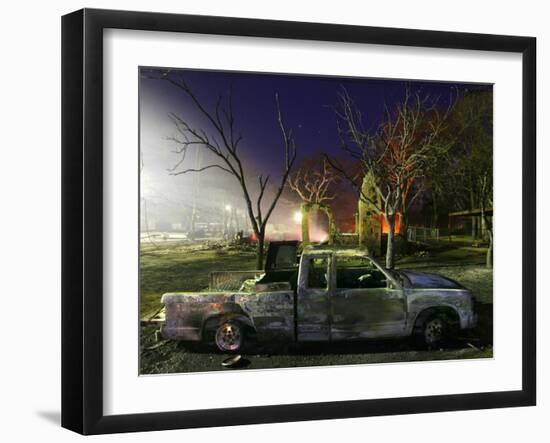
(435, 330)
(230, 336)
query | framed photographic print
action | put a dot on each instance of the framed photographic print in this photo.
(269, 221)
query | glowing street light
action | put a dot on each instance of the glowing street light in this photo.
(228, 208)
(298, 217)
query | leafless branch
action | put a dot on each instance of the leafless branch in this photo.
(204, 168)
(314, 185)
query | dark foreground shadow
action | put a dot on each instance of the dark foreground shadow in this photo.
(341, 348)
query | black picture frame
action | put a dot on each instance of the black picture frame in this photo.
(82, 218)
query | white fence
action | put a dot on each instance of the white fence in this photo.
(419, 233)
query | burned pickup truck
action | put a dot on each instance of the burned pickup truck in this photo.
(324, 294)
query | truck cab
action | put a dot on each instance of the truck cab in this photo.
(346, 295)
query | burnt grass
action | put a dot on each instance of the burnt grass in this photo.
(166, 268)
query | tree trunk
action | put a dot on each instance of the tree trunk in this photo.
(260, 239)
(482, 221)
(489, 260)
(483, 226)
(305, 223)
(474, 218)
(487, 230)
(435, 215)
(331, 225)
(389, 247)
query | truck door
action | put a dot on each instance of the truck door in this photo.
(365, 302)
(313, 298)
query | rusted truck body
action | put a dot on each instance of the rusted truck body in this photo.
(328, 294)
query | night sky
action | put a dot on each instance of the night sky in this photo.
(306, 104)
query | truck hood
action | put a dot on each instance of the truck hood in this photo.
(425, 280)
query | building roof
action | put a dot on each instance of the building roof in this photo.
(470, 213)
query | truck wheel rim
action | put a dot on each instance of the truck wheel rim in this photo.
(228, 337)
(434, 331)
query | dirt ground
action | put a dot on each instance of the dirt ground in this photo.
(172, 267)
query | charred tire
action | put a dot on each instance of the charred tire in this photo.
(230, 336)
(435, 330)
(435, 327)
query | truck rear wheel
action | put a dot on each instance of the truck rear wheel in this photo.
(230, 336)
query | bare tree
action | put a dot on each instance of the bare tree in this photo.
(221, 139)
(471, 162)
(454, 175)
(314, 187)
(395, 156)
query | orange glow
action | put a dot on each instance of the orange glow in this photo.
(386, 228)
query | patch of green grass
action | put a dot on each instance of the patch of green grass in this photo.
(478, 279)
